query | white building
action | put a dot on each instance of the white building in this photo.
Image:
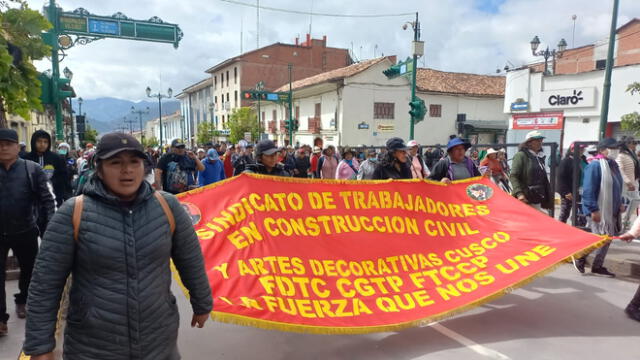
(197, 107)
(359, 105)
(566, 103)
(173, 127)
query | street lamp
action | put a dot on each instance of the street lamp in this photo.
(160, 96)
(212, 109)
(67, 73)
(562, 46)
(140, 113)
(74, 136)
(80, 106)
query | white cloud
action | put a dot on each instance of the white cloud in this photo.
(459, 36)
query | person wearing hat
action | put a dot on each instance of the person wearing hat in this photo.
(347, 167)
(213, 169)
(267, 160)
(64, 151)
(328, 163)
(602, 201)
(302, 164)
(368, 167)
(630, 169)
(592, 152)
(493, 165)
(315, 157)
(395, 163)
(202, 153)
(23, 185)
(565, 183)
(419, 169)
(456, 165)
(176, 171)
(287, 159)
(119, 257)
(245, 159)
(529, 174)
(52, 164)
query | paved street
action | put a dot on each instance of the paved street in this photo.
(561, 316)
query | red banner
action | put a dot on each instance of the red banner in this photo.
(358, 257)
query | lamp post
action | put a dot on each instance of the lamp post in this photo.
(80, 106)
(140, 113)
(562, 46)
(214, 126)
(74, 133)
(160, 96)
(259, 87)
(417, 48)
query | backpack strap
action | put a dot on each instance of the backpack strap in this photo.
(167, 211)
(77, 216)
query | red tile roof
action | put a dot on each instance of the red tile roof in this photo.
(334, 75)
(429, 80)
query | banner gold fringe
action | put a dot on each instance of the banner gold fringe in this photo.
(321, 181)
(325, 330)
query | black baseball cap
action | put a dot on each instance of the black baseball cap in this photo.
(177, 143)
(608, 143)
(266, 147)
(8, 135)
(115, 142)
(396, 143)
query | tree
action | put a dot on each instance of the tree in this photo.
(20, 44)
(153, 142)
(243, 120)
(90, 135)
(206, 133)
(631, 121)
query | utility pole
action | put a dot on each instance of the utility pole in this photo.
(257, 24)
(140, 112)
(606, 91)
(290, 125)
(259, 87)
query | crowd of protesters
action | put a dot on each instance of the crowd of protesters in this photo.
(119, 182)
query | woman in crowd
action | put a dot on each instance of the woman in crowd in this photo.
(118, 250)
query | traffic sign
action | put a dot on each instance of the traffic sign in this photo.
(82, 23)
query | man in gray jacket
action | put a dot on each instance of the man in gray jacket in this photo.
(120, 301)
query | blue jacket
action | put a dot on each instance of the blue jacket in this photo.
(591, 187)
(213, 172)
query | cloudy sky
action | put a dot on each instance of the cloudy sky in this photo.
(475, 36)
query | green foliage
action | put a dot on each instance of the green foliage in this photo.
(153, 142)
(19, 84)
(90, 135)
(206, 133)
(242, 120)
(634, 88)
(631, 122)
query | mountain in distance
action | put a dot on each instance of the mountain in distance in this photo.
(107, 114)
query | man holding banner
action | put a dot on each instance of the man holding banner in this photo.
(602, 200)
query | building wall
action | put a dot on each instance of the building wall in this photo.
(349, 105)
(270, 65)
(581, 123)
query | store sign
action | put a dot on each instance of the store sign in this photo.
(520, 105)
(385, 127)
(534, 121)
(363, 126)
(568, 98)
